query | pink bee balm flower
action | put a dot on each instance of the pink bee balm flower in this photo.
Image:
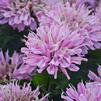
(54, 48)
(76, 18)
(17, 13)
(94, 77)
(13, 92)
(10, 66)
(88, 92)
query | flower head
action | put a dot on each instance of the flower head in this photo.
(17, 13)
(76, 18)
(13, 92)
(54, 48)
(88, 92)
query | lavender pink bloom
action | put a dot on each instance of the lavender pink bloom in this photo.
(11, 67)
(76, 18)
(54, 48)
(17, 13)
(88, 92)
(15, 92)
(94, 77)
(65, 33)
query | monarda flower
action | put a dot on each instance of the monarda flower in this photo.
(18, 14)
(54, 48)
(75, 17)
(88, 92)
(15, 92)
(92, 76)
(11, 66)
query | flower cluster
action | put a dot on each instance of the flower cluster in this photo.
(12, 67)
(53, 48)
(88, 92)
(64, 32)
(76, 18)
(13, 92)
(65, 35)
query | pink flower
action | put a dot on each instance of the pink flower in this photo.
(94, 77)
(17, 13)
(88, 92)
(54, 48)
(10, 67)
(14, 92)
(76, 18)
